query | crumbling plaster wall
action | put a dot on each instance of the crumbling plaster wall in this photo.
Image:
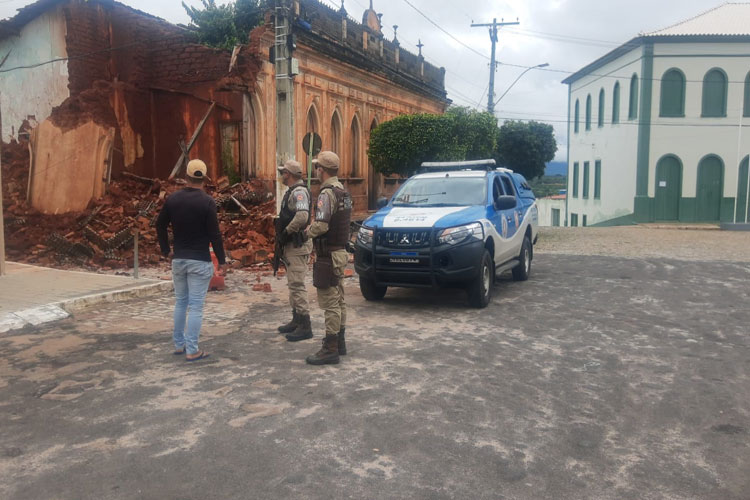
(33, 92)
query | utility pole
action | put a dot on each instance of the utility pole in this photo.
(2, 226)
(493, 36)
(286, 68)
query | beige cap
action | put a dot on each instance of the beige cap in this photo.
(328, 160)
(291, 166)
(196, 169)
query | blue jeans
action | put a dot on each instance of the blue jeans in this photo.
(191, 279)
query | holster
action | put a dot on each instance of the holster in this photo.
(323, 275)
(321, 247)
(299, 238)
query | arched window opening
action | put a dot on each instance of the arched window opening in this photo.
(588, 112)
(354, 150)
(312, 121)
(633, 107)
(600, 117)
(616, 103)
(336, 133)
(715, 94)
(672, 100)
(577, 116)
(746, 107)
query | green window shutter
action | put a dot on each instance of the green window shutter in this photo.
(588, 112)
(746, 108)
(616, 103)
(575, 180)
(573, 220)
(597, 179)
(672, 100)
(585, 180)
(577, 115)
(715, 94)
(742, 209)
(585, 222)
(633, 105)
(600, 118)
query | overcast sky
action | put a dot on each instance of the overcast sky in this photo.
(566, 34)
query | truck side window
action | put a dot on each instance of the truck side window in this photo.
(497, 189)
(508, 186)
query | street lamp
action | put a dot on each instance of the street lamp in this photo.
(543, 65)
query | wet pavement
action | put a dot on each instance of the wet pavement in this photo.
(599, 378)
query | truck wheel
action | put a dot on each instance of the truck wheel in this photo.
(480, 289)
(522, 271)
(370, 291)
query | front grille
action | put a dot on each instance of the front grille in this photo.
(404, 238)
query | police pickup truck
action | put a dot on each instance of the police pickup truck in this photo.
(459, 224)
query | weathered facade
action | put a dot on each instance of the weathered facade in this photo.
(148, 87)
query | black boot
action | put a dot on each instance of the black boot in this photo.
(342, 341)
(303, 330)
(328, 354)
(289, 327)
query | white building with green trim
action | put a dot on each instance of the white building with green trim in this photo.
(659, 128)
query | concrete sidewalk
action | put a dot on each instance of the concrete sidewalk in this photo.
(32, 295)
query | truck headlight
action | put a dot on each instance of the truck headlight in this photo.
(458, 234)
(364, 236)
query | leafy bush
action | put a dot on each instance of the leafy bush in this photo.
(224, 26)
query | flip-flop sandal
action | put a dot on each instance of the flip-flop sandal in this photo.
(180, 352)
(203, 355)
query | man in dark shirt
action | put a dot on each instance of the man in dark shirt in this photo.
(192, 214)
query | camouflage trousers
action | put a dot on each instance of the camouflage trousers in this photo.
(296, 269)
(331, 300)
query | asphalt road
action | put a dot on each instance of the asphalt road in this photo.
(599, 378)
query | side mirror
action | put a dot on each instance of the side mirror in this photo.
(505, 202)
(382, 201)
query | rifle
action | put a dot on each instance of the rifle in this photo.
(278, 248)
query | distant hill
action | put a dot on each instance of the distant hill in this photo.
(556, 168)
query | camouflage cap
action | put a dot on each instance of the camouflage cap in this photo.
(291, 166)
(328, 160)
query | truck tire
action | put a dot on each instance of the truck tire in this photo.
(370, 291)
(522, 271)
(480, 289)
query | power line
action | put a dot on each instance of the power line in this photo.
(444, 31)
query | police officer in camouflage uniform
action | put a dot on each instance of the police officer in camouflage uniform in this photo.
(293, 219)
(330, 233)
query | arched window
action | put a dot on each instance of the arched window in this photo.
(616, 103)
(633, 107)
(354, 146)
(672, 101)
(588, 112)
(715, 93)
(336, 133)
(312, 121)
(746, 107)
(577, 116)
(600, 116)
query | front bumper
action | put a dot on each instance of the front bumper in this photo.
(430, 265)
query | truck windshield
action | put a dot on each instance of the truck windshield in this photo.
(442, 191)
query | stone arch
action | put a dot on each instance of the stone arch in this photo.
(335, 140)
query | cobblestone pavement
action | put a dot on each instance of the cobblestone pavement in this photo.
(647, 242)
(599, 378)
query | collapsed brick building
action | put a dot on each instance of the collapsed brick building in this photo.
(102, 89)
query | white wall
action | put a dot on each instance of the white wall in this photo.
(720, 136)
(43, 87)
(545, 206)
(615, 145)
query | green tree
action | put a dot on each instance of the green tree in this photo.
(525, 147)
(224, 26)
(399, 146)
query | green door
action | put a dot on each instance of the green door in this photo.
(709, 190)
(668, 188)
(742, 191)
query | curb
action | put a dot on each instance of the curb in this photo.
(65, 308)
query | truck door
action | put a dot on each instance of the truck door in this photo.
(513, 217)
